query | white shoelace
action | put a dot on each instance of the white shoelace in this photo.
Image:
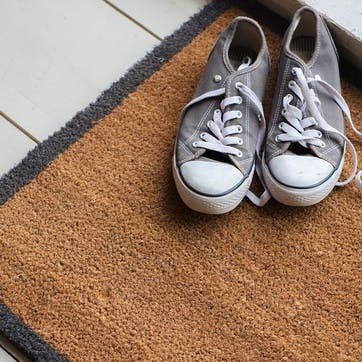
(221, 138)
(299, 129)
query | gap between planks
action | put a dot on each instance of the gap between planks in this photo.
(149, 31)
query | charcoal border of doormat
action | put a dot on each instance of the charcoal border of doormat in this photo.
(25, 338)
(11, 327)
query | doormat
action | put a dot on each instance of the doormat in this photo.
(101, 261)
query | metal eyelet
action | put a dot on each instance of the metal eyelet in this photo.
(239, 114)
(291, 84)
(283, 112)
(323, 145)
(277, 139)
(294, 72)
(240, 129)
(280, 126)
(217, 78)
(194, 144)
(319, 134)
(240, 100)
(202, 135)
(239, 154)
(240, 141)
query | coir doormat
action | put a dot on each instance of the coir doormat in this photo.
(101, 261)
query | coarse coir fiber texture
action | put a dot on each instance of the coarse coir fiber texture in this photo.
(100, 257)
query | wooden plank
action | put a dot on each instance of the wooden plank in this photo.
(57, 57)
(14, 146)
(162, 17)
(5, 357)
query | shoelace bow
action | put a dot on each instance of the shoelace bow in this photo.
(222, 137)
(299, 129)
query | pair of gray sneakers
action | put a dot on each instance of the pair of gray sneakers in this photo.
(222, 129)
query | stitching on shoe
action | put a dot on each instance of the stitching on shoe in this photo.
(329, 159)
(247, 109)
(321, 111)
(318, 45)
(204, 116)
(183, 145)
(226, 49)
(279, 102)
(202, 120)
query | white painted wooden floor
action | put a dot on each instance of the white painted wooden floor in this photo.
(58, 56)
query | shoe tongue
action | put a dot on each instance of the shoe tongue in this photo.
(211, 156)
(207, 159)
(230, 89)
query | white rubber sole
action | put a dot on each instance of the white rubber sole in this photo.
(299, 197)
(208, 204)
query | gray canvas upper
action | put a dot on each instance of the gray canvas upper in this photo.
(222, 63)
(324, 62)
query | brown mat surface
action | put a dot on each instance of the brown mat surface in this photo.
(102, 259)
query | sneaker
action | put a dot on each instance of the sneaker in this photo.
(222, 127)
(305, 146)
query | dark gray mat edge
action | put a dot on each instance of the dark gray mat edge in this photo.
(25, 339)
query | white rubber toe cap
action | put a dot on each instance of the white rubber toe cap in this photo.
(300, 171)
(210, 177)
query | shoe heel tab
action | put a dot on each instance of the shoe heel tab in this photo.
(231, 29)
(305, 8)
(320, 23)
(240, 19)
(253, 22)
(264, 46)
(296, 20)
